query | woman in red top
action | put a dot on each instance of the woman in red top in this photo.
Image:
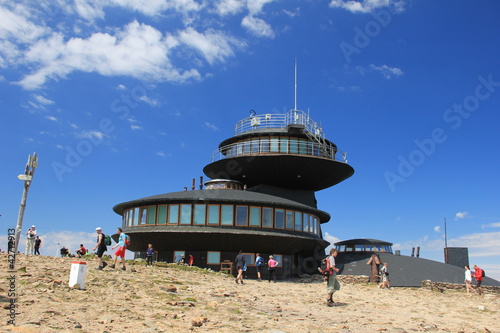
(478, 274)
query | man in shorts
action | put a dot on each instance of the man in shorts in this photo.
(122, 247)
(478, 274)
(101, 248)
(332, 283)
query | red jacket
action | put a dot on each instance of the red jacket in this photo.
(478, 274)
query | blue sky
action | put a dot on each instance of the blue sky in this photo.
(122, 100)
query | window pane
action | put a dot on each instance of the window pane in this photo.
(264, 144)
(315, 225)
(152, 215)
(249, 259)
(302, 147)
(279, 215)
(305, 224)
(227, 215)
(267, 217)
(283, 145)
(199, 214)
(241, 215)
(142, 216)
(178, 256)
(136, 217)
(289, 219)
(162, 214)
(298, 221)
(255, 146)
(360, 247)
(294, 146)
(213, 258)
(369, 247)
(279, 259)
(255, 216)
(213, 214)
(185, 214)
(275, 144)
(173, 214)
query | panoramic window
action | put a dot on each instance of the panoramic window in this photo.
(185, 214)
(199, 214)
(360, 248)
(279, 259)
(283, 145)
(142, 215)
(289, 219)
(305, 223)
(173, 214)
(135, 221)
(162, 214)
(242, 216)
(267, 217)
(152, 215)
(255, 216)
(227, 215)
(298, 221)
(213, 214)
(249, 259)
(294, 146)
(279, 217)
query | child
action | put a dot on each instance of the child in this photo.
(149, 253)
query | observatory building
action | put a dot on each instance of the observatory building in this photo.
(260, 199)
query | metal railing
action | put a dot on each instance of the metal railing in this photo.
(279, 120)
(279, 146)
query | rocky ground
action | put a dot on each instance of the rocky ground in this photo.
(183, 299)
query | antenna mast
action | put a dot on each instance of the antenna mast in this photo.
(295, 107)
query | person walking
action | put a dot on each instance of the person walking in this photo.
(271, 263)
(384, 271)
(468, 279)
(122, 247)
(30, 240)
(101, 248)
(191, 260)
(149, 255)
(38, 243)
(333, 284)
(478, 274)
(239, 262)
(259, 262)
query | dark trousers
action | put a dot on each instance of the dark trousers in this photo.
(149, 260)
(37, 250)
(272, 275)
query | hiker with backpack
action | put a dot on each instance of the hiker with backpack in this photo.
(478, 274)
(101, 248)
(330, 272)
(259, 262)
(123, 242)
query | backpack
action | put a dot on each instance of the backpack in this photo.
(482, 273)
(325, 268)
(107, 240)
(127, 240)
(259, 262)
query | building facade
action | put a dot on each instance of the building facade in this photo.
(260, 199)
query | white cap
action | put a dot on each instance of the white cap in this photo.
(96, 229)
(33, 226)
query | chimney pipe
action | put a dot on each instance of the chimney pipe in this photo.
(418, 251)
(201, 182)
(412, 251)
(192, 184)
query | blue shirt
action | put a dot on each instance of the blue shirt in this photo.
(121, 239)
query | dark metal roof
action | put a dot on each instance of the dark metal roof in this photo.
(405, 271)
(363, 241)
(222, 196)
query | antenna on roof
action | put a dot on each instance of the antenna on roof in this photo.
(295, 106)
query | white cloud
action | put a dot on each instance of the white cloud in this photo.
(491, 225)
(121, 87)
(135, 127)
(437, 228)
(386, 71)
(368, 6)
(258, 27)
(138, 51)
(461, 215)
(211, 126)
(161, 154)
(331, 239)
(43, 100)
(16, 25)
(91, 135)
(52, 118)
(229, 7)
(212, 45)
(149, 100)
